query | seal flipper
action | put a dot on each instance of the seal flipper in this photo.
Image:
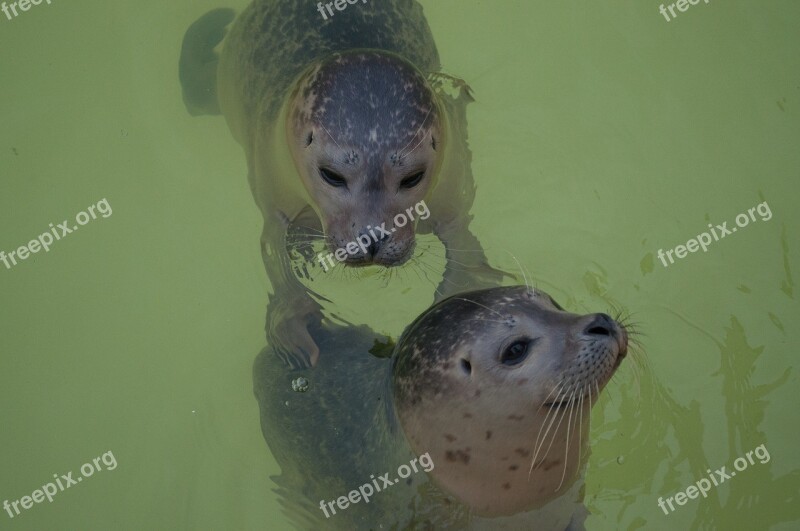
(197, 68)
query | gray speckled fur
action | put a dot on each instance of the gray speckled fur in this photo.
(331, 438)
(274, 41)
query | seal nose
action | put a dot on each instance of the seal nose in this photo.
(375, 245)
(601, 325)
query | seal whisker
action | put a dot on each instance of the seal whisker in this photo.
(539, 436)
(415, 268)
(463, 250)
(415, 134)
(453, 261)
(445, 279)
(636, 375)
(299, 239)
(330, 135)
(641, 360)
(537, 445)
(390, 273)
(430, 250)
(481, 305)
(610, 395)
(425, 274)
(418, 143)
(580, 424)
(555, 388)
(566, 444)
(423, 266)
(295, 235)
(313, 229)
(590, 409)
(555, 432)
(524, 276)
(433, 270)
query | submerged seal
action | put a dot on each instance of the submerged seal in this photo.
(346, 123)
(494, 386)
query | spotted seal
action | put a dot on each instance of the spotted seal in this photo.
(345, 124)
(495, 386)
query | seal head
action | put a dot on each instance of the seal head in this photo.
(501, 400)
(366, 136)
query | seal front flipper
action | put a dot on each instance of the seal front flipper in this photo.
(288, 320)
(291, 308)
(197, 68)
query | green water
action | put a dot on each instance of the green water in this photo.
(600, 134)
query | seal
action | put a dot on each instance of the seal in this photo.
(345, 123)
(495, 386)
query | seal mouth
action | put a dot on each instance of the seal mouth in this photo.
(557, 405)
(564, 403)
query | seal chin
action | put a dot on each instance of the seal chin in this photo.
(385, 261)
(392, 252)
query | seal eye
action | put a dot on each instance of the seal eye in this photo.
(516, 352)
(412, 180)
(332, 178)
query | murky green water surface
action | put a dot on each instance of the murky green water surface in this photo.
(600, 134)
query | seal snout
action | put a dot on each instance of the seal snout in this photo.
(601, 345)
(604, 326)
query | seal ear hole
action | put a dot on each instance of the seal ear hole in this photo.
(433, 142)
(309, 138)
(466, 366)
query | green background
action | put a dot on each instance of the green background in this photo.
(600, 133)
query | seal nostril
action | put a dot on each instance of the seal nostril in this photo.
(374, 244)
(466, 366)
(601, 325)
(373, 248)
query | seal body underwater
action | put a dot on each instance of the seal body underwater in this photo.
(345, 124)
(494, 387)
